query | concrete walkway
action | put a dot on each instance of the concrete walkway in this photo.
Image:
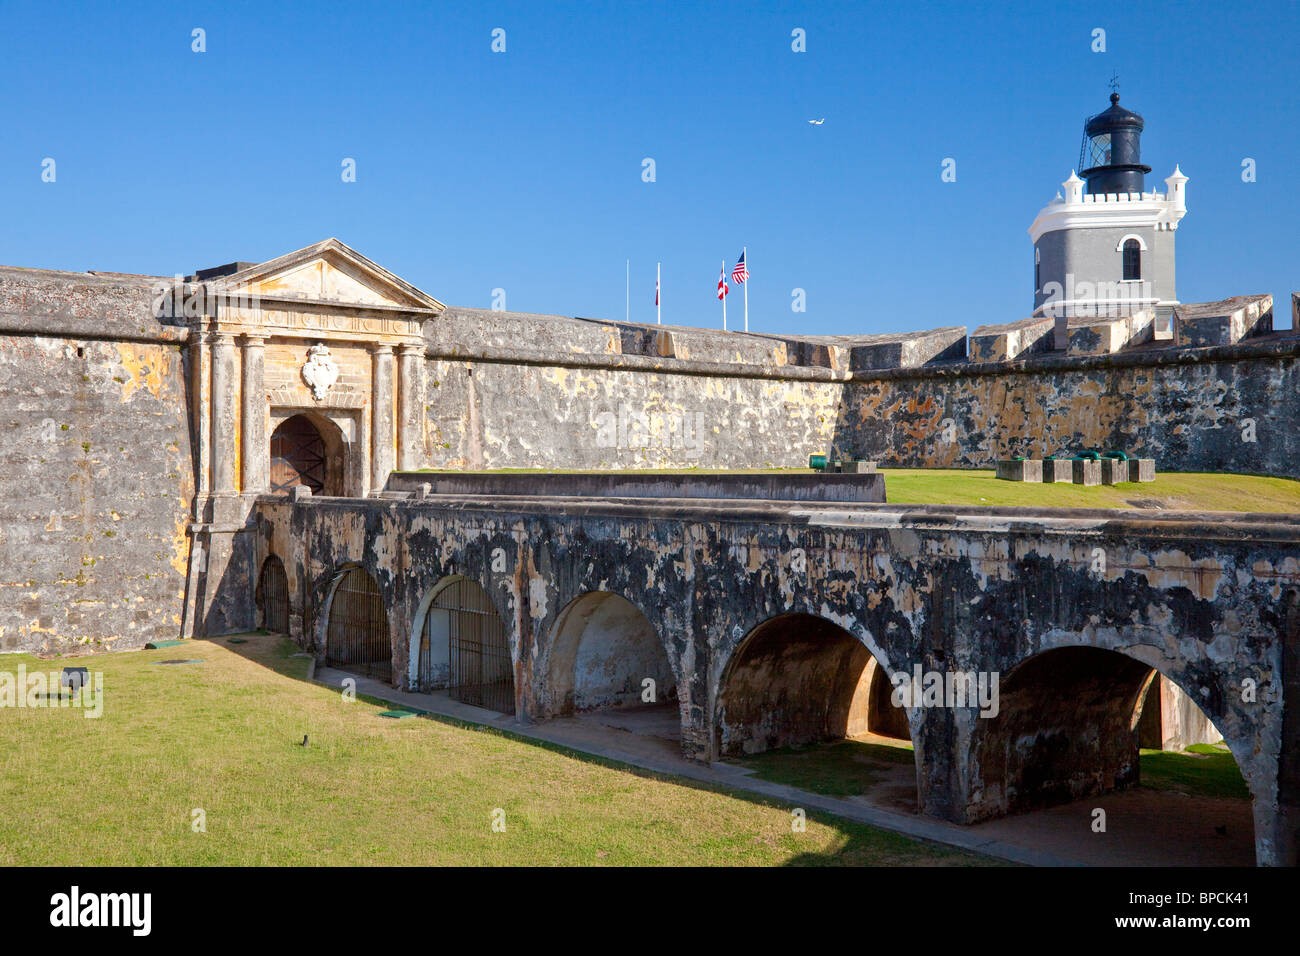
(600, 736)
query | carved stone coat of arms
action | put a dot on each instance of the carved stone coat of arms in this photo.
(320, 371)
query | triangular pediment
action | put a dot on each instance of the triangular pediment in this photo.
(329, 272)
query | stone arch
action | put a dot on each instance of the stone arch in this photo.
(796, 678)
(1131, 237)
(601, 649)
(355, 625)
(1067, 727)
(272, 596)
(460, 643)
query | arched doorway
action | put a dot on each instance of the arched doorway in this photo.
(273, 596)
(1068, 728)
(795, 679)
(357, 637)
(462, 647)
(794, 706)
(605, 655)
(308, 452)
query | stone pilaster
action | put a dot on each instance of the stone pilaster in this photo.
(201, 414)
(381, 404)
(223, 413)
(410, 407)
(255, 457)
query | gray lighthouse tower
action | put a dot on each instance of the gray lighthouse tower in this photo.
(1109, 251)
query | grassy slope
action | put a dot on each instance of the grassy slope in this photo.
(224, 736)
(1188, 491)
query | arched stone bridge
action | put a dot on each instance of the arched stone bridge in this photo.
(763, 617)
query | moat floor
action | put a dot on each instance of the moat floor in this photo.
(1144, 827)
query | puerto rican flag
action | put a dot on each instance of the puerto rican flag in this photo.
(722, 282)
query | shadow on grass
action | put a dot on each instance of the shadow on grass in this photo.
(845, 768)
(861, 844)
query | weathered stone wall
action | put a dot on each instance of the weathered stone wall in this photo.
(96, 470)
(505, 415)
(1192, 409)
(1189, 409)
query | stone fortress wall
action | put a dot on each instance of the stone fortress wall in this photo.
(107, 441)
(516, 391)
(96, 464)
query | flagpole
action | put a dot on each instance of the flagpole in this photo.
(724, 295)
(659, 309)
(744, 251)
(627, 289)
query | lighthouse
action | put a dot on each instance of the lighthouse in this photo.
(1106, 246)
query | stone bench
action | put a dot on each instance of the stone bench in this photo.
(1058, 470)
(1141, 469)
(837, 466)
(1085, 471)
(1079, 471)
(1020, 469)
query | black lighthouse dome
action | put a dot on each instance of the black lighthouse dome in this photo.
(1112, 151)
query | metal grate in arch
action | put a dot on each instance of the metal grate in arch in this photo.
(480, 669)
(273, 596)
(357, 637)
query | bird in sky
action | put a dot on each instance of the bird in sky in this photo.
(818, 122)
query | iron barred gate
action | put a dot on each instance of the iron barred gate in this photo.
(357, 637)
(273, 596)
(297, 456)
(481, 672)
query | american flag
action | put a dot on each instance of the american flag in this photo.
(722, 282)
(739, 274)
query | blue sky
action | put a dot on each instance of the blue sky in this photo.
(523, 170)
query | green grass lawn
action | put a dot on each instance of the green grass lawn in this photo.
(844, 768)
(1187, 491)
(1181, 491)
(1204, 770)
(223, 736)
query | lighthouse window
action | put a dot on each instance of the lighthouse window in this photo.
(1132, 260)
(1100, 149)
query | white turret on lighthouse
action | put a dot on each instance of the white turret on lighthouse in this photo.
(1109, 250)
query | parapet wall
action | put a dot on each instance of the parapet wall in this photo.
(1212, 409)
(772, 486)
(508, 395)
